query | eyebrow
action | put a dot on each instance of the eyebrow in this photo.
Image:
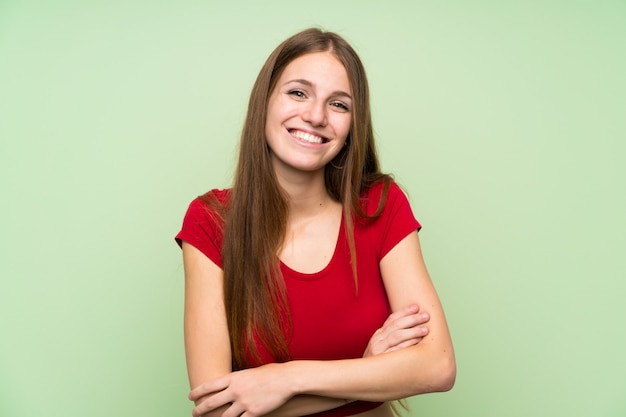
(310, 84)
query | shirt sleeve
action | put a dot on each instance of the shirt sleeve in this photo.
(396, 220)
(202, 229)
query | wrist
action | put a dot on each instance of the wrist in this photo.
(293, 374)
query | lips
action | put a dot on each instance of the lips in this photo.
(307, 137)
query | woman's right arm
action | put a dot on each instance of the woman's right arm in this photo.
(207, 343)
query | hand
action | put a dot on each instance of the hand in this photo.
(402, 329)
(248, 393)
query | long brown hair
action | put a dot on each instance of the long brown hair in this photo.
(255, 218)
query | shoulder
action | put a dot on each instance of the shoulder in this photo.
(207, 211)
(203, 224)
(390, 186)
(211, 204)
(390, 217)
(383, 193)
(215, 196)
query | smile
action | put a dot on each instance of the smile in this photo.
(307, 137)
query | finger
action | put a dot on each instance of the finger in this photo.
(410, 321)
(407, 318)
(387, 337)
(406, 322)
(385, 341)
(405, 344)
(400, 336)
(401, 318)
(235, 410)
(211, 403)
(423, 317)
(208, 387)
(403, 312)
(216, 412)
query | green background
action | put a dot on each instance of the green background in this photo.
(504, 120)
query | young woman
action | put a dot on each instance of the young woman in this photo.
(305, 287)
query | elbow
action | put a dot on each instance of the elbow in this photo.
(444, 375)
(448, 376)
(438, 376)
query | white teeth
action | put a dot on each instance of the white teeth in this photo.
(307, 137)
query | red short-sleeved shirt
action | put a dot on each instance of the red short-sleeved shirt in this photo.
(331, 320)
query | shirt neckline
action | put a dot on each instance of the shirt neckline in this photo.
(324, 271)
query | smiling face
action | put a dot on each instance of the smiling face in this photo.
(309, 113)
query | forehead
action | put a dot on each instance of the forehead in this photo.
(320, 68)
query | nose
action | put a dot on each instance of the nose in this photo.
(315, 113)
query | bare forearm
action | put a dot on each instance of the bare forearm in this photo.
(385, 377)
(388, 376)
(302, 405)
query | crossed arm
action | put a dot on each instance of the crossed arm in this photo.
(403, 358)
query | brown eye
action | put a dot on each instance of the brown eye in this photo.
(340, 106)
(297, 93)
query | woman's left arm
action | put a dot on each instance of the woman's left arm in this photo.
(428, 366)
(407, 282)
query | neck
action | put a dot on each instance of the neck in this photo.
(305, 191)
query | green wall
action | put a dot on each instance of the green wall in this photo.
(505, 121)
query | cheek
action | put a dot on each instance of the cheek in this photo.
(343, 128)
(274, 107)
(272, 120)
(277, 113)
